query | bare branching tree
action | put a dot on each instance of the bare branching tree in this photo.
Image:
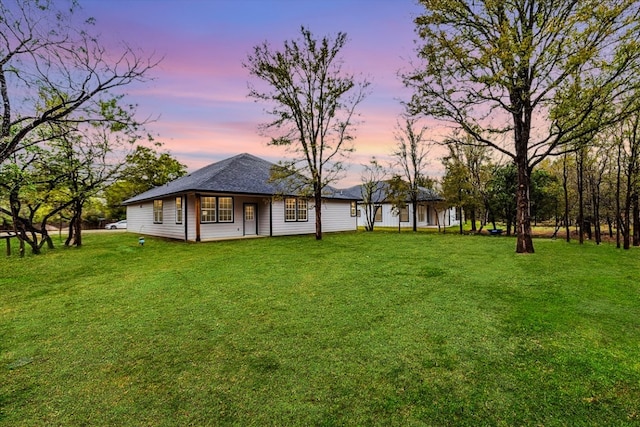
(411, 158)
(313, 102)
(372, 191)
(47, 53)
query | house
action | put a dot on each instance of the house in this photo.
(233, 198)
(432, 211)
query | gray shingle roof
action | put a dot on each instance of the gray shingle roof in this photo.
(241, 174)
(382, 190)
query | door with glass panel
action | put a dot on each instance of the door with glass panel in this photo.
(250, 219)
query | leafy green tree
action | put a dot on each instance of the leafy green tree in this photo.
(313, 102)
(526, 77)
(63, 170)
(470, 166)
(24, 189)
(502, 190)
(545, 195)
(57, 179)
(144, 169)
(457, 187)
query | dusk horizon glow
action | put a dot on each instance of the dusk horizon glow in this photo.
(199, 90)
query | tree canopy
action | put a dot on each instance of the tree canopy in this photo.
(526, 77)
(144, 169)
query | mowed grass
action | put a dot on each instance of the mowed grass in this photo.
(361, 328)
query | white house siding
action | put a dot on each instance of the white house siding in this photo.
(140, 220)
(264, 214)
(445, 217)
(336, 216)
(285, 228)
(190, 217)
(449, 216)
(235, 229)
(388, 218)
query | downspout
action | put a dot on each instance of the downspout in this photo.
(186, 217)
(356, 217)
(271, 217)
(197, 214)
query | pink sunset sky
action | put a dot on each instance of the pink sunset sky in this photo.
(199, 91)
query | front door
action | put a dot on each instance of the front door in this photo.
(250, 219)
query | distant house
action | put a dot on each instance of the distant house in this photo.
(432, 209)
(233, 198)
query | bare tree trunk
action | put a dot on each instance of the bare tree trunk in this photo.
(24, 228)
(580, 186)
(75, 226)
(509, 224)
(595, 197)
(618, 194)
(414, 206)
(629, 197)
(524, 242)
(444, 230)
(69, 240)
(473, 220)
(631, 170)
(565, 187)
(626, 237)
(318, 201)
(595, 180)
(636, 220)
(610, 225)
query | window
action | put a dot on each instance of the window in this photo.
(354, 209)
(207, 209)
(422, 211)
(157, 211)
(378, 216)
(225, 209)
(404, 214)
(178, 210)
(302, 210)
(290, 209)
(216, 209)
(295, 209)
(249, 213)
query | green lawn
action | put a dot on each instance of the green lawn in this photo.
(359, 329)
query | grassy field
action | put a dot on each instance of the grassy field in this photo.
(362, 328)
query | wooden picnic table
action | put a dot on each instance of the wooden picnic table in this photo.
(7, 235)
